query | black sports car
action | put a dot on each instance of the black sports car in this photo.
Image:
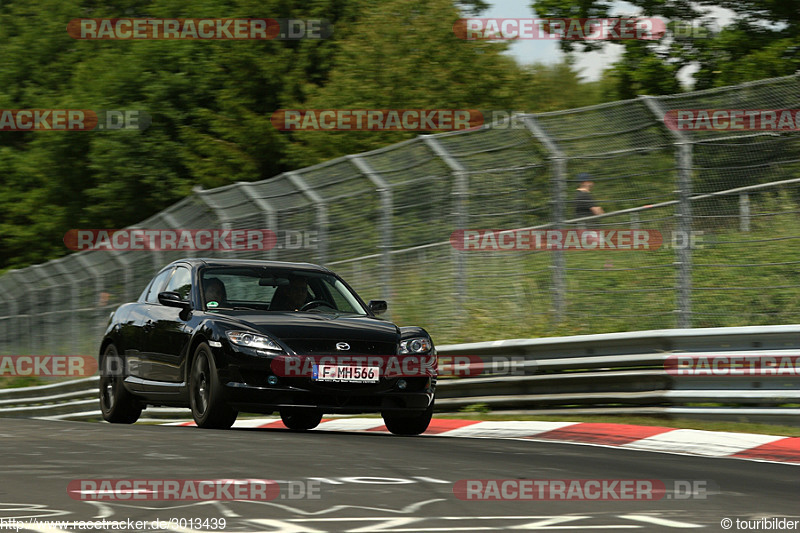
(223, 336)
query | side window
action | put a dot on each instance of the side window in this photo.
(181, 282)
(143, 296)
(155, 287)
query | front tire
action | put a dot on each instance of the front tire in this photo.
(117, 405)
(209, 409)
(403, 424)
(301, 419)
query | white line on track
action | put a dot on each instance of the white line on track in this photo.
(658, 521)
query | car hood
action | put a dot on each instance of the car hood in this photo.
(317, 326)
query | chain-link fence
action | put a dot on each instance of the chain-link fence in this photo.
(384, 220)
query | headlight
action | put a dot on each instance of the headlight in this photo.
(415, 345)
(253, 340)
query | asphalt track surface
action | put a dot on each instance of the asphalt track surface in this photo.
(370, 482)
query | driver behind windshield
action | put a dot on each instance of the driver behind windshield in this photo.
(290, 297)
(215, 292)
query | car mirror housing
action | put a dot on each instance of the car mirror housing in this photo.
(173, 299)
(377, 306)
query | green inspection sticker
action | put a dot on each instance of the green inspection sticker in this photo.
(212, 304)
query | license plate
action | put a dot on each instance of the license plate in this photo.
(346, 374)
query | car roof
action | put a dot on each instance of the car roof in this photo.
(218, 262)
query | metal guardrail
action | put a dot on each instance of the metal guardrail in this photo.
(611, 373)
(624, 373)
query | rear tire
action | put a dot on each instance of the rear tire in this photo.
(301, 419)
(403, 424)
(209, 409)
(117, 404)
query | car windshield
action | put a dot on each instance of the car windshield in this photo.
(283, 290)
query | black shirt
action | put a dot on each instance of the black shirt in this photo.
(584, 204)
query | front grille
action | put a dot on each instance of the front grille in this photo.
(328, 347)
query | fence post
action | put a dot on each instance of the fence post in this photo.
(559, 198)
(683, 254)
(461, 192)
(744, 212)
(270, 217)
(128, 290)
(73, 315)
(45, 319)
(9, 331)
(98, 288)
(219, 212)
(387, 210)
(27, 296)
(173, 223)
(685, 225)
(635, 221)
(322, 213)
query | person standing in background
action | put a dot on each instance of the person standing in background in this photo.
(585, 204)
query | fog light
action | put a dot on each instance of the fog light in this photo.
(401, 384)
(272, 380)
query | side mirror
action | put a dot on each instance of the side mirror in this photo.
(173, 299)
(377, 306)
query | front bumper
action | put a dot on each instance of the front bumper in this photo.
(353, 398)
(246, 388)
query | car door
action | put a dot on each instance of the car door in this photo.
(169, 332)
(138, 327)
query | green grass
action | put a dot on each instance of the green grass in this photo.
(508, 294)
(20, 381)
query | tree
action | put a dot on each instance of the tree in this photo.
(404, 55)
(762, 41)
(209, 103)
